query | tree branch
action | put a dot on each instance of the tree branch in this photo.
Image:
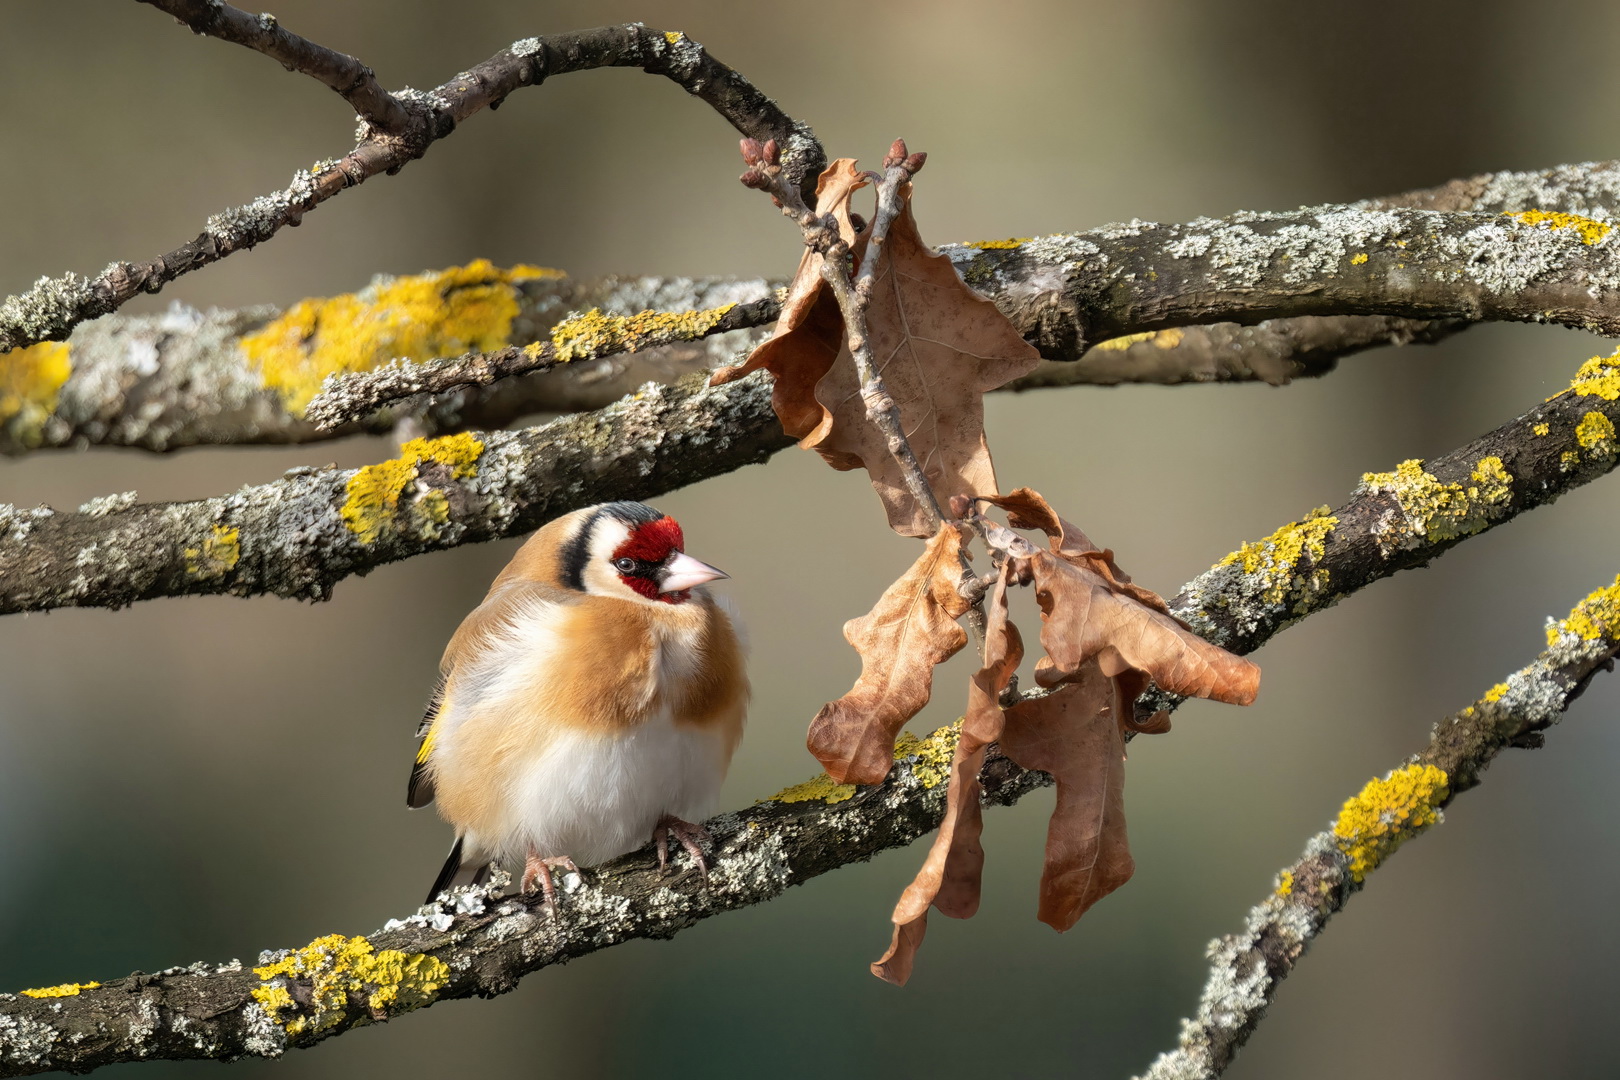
(197, 389)
(1247, 968)
(1073, 290)
(55, 305)
(186, 378)
(352, 80)
(302, 534)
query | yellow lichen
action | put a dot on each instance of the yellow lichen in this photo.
(65, 990)
(374, 492)
(933, 754)
(218, 554)
(463, 309)
(999, 245)
(1445, 511)
(1275, 557)
(1568, 460)
(1164, 339)
(1595, 433)
(1598, 377)
(1596, 617)
(338, 968)
(1540, 429)
(1497, 692)
(1590, 231)
(1358, 258)
(597, 333)
(29, 382)
(817, 789)
(1387, 813)
(1285, 883)
(672, 36)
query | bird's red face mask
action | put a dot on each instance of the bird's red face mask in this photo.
(653, 562)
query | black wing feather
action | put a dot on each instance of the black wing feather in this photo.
(420, 791)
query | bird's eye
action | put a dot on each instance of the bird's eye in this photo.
(624, 566)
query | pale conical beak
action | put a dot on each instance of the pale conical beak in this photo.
(683, 572)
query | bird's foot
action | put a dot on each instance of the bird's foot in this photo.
(537, 871)
(688, 834)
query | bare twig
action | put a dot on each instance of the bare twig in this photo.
(1247, 968)
(354, 81)
(55, 305)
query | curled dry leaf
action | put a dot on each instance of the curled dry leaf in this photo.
(939, 347)
(1087, 617)
(1093, 611)
(810, 331)
(950, 877)
(1074, 734)
(912, 628)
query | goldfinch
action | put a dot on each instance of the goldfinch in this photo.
(593, 700)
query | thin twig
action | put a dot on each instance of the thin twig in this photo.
(51, 309)
(354, 81)
(1248, 967)
(821, 235)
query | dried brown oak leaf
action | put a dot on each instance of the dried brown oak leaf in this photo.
(810, 331)
(910, 630)
(939, 347)
(1092, 611)
(1074, 734)
(950, 877)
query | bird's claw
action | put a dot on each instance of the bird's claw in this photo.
(689, 835)
(537, 870)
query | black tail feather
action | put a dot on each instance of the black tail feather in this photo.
(453, 873)
(447, 874)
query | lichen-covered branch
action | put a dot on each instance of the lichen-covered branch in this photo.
(1247, 968)
(355, 82)
(186, 378)
(346, 399)
(54, 306)
(1073, 290)
(162, 382)
(474, 944)
(302, 534)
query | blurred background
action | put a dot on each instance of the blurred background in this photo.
(203, 778)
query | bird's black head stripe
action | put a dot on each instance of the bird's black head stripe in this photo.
(577, 551)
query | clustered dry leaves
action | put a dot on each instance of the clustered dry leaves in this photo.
(938, 348)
